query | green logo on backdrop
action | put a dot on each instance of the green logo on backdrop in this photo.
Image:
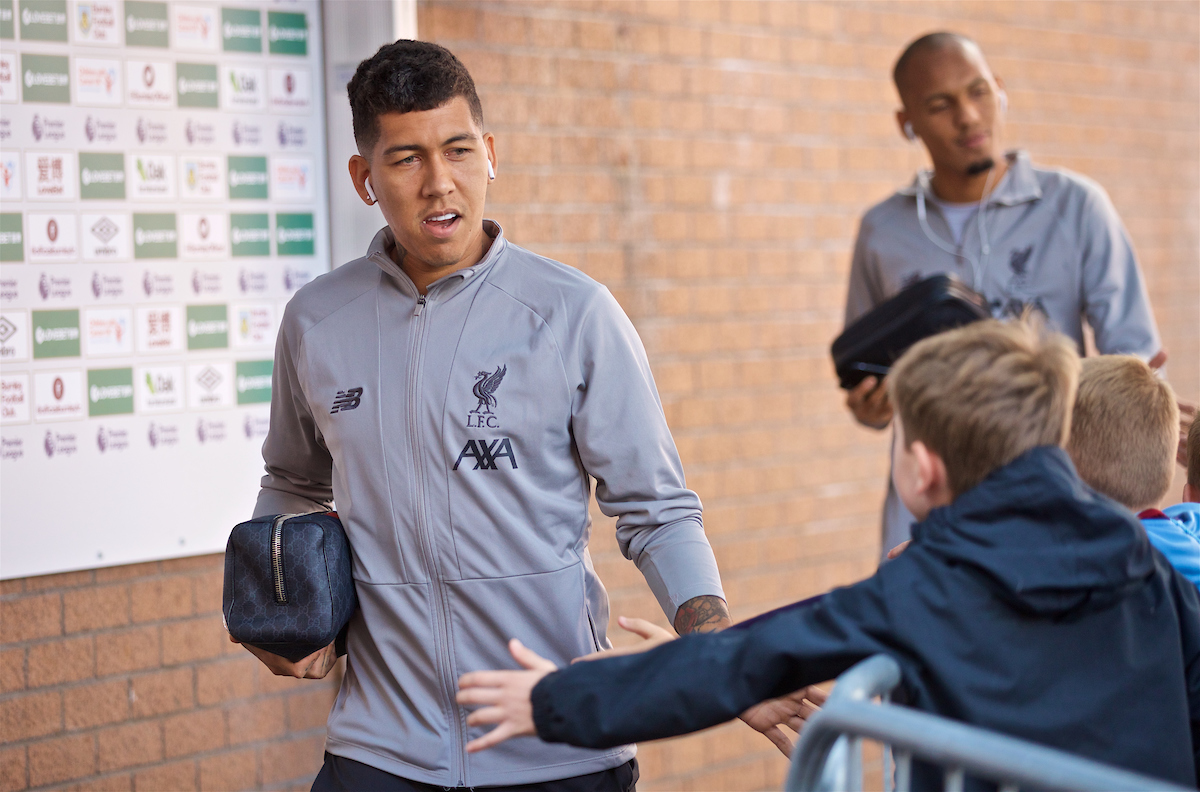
(254, 381)
(155, 236)
(12, 240)
(247, 177)
(294, 234)
(101, 175)
(146, 24)
(250, 234)
(55, 334)
(207, 327)
(110, 391)
(46, 78)
(197, 84)
(44, 20)
(6, 20)
(241, 30)
(287, 33)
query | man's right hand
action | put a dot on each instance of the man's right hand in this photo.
(868, 400)
(315, 666)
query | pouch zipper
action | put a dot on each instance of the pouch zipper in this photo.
(277, 559)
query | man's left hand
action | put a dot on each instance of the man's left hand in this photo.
(504, 696)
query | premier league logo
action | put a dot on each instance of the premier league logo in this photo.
(97, 286)
(148, 284)
(44, 286)
(101, 440)
(141, 130)
(37, 127)
(196, 283)
(152, 435)
(201, 431)
(248, 428)
(48, 444)
(89, 129)
(237, 133)
(188, 132)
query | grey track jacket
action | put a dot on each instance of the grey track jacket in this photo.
(456, 433)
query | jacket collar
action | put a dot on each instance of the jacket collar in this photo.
(383, 246)
(1018, 186)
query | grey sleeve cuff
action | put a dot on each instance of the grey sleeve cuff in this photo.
(275, 501)
(679, 565)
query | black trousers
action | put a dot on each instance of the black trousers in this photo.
(340, 774)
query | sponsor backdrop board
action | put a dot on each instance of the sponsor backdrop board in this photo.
(162, 195)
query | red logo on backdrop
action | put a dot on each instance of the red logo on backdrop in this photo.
(58, 387)
(289, 83)
(52, 230)
(148, 75)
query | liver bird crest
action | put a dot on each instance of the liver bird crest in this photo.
(486, 383)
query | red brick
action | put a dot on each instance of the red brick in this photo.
(256, 720)
(292, 759)
(27, 618)
(225, 680)
(96, 704)
(129, 571)
(116, 782)
(62, 759)
(161, 692)
(194, 732)
(206, 590)
(309, 709)
(12, 670)
(127, 650)
(226, 771)
(61, 580)
(130, 745)
(14, 586)
(31, 715)
(55, 662)
(13, 775)
(161, 598)
(176, 776)
(95, 608)
(194, 639)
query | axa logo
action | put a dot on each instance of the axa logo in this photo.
(348, 399)
(487, 453)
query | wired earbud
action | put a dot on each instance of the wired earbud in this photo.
(909, 133)
(371, 192)
(491, 171)
(1003, 101)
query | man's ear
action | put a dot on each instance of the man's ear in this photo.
(902, 122)
(360, 169)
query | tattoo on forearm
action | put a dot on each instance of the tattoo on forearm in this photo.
(702, 614)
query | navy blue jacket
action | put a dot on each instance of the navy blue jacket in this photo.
(1031, 606)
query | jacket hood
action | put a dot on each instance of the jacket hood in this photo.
(1046, 542)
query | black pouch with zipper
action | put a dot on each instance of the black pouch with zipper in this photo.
(289, 587)
(879, 337)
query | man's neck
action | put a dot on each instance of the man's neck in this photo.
(960, 187)
(424, 274)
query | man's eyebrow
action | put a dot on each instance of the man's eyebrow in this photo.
(416, 147)
(950, 94)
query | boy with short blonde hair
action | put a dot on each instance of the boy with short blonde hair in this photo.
(1124, 436)
(1025, 604)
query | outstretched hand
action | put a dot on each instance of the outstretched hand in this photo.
(791, 710)
(503, 697)
(652, 635)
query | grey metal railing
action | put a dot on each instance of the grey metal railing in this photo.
(828, 757)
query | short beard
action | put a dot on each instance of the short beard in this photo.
(983, 166)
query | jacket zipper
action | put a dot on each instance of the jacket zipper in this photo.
(277, 559)
(441, 609)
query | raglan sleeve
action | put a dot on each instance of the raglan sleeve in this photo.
(701, 680)
(623, 440)
(1114, 291)
(299, 469)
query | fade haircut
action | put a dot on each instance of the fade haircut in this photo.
(930, 42)
(1193, 454)
(1125, 431)
(403, 77)
(981, 395)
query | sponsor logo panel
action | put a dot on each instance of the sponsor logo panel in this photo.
(14, 336)
(101, 176)
(10, 176)
(56, 334)
(44, 20)
(158, 284)
(107, 285)
(7, 20)
(294, 234)
(152, 176)
(292, 134)
(244, 88)
(51, 286)
(58, 395)
(105, 237)
(196, 84)
(252, 281)
(155, 236)
(12, 239)
(247, 177)
(204, 236)
(287, 33)
(207, 327)
(196, 28)
(250, 234)
(210, 385)
(14, 398)
(47, 129)
(205, 282)
(146, 24)
(158, 389)
(160, 328)
(111, 438)
(199, 132)
(110, 391)
(291, 90)
(11, 448)
(291, 178)
(150, 132)
(253, 325)
(10, 289)
(97, 82)
(108, 331)
(51, 175)
(162, 435)
(149, 84)
(9, 92)
(202, 178)
(241, 30)
(45, 78)
(53, 238)
(253, 381)
(97, 22)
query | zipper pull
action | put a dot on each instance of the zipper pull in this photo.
(420, 305)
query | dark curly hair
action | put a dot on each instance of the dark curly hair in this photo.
(403, 77)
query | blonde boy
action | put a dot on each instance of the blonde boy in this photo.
(1025, 604)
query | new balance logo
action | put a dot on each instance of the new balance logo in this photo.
(347, 400)
(486, 454)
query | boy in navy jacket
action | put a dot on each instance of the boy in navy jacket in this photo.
(1025, 604)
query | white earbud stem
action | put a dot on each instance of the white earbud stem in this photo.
(491, 171)
(371, 192)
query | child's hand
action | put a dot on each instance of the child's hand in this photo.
(791, 710)
(895, 552)
(652, 634)
(505, 696)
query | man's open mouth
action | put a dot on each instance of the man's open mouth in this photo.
(441, 221)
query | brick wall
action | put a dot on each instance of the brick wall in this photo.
(709, 162)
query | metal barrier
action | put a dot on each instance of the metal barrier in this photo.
(828, 757)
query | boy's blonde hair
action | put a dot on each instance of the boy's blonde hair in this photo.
(1193, 454)
(981, 395)
(1125, 430)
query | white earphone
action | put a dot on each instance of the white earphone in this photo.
(491, 171)
(909, 133)
(371, 192)
(1003, 101)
